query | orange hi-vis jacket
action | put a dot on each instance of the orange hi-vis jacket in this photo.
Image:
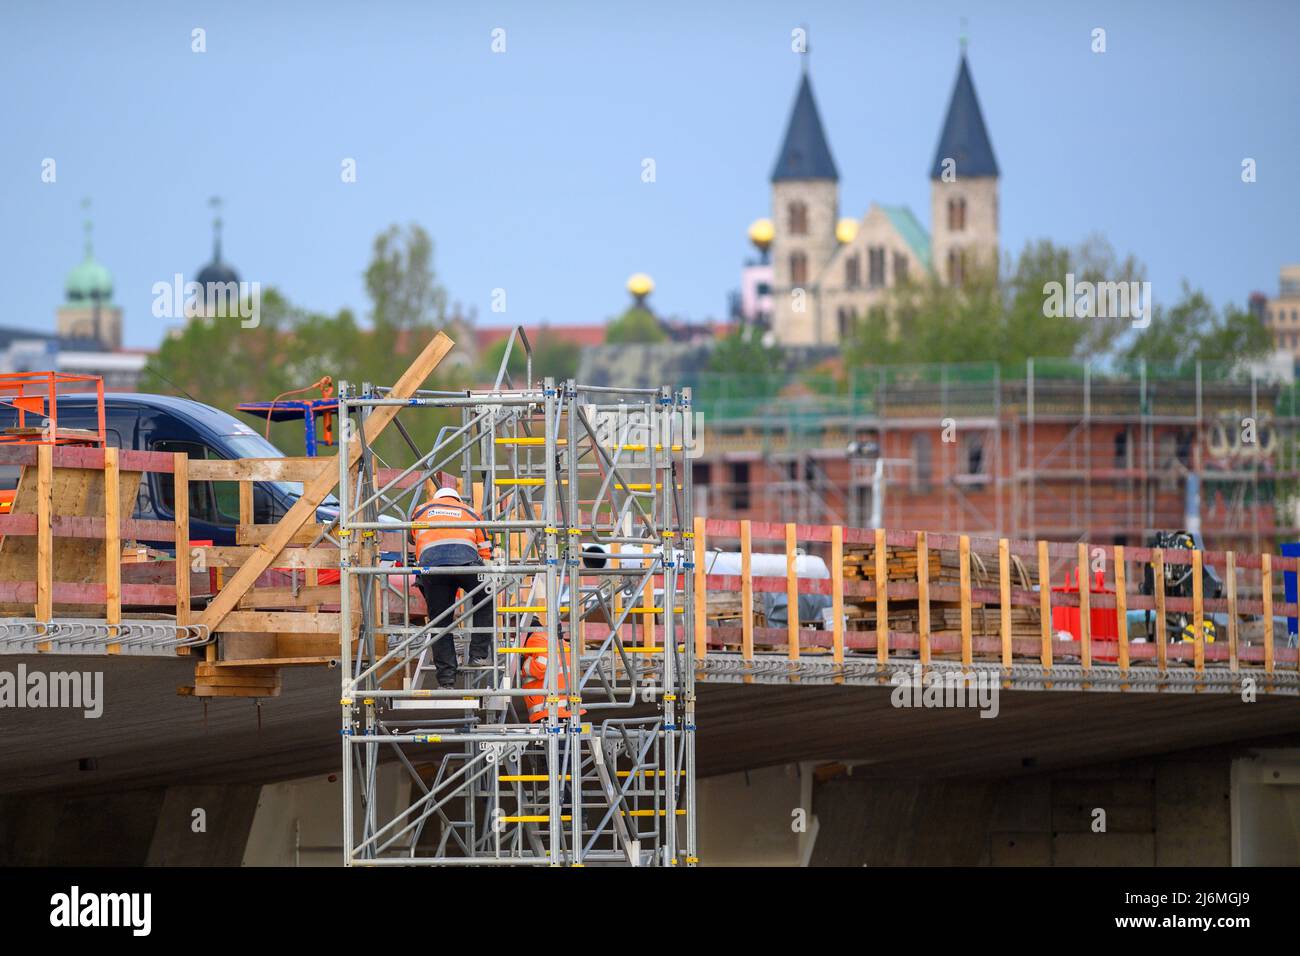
(534, 668)
(438, 512)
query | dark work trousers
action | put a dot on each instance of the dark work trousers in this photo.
(439, 592)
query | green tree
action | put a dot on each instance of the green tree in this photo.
(552, 357)
(637, 324)
(1192, 330)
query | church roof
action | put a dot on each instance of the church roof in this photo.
(805, 154)
(964, 137)
(913, 233)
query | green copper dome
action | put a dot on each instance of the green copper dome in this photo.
(89, 282)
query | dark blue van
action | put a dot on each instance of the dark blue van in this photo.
(166, 424)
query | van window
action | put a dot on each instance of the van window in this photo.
(215, 502)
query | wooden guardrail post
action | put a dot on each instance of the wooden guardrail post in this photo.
(1230, 568)
(792, 590)
(181, 509)
(964, 565)
(882, 597)
(923, 598)
(1084, 580)
(837, 592)
(112, 541)
(1198, 612)
(746, 591)
(1004, 598)
(701, 593)
(1266, 592)
(1121, 606)
(1045, 603)
(44, 533)
(1162, 642)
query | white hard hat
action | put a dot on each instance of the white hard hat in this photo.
(447, 493)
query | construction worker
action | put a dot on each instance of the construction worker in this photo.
(438, 546)
(534, 674)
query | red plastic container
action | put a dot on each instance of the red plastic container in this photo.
(1102, 625)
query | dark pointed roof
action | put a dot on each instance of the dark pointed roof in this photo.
(964, 136)
(805, 153)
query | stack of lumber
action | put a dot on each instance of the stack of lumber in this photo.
(725, 608)
(900, 563)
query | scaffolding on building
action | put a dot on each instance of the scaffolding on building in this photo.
(586, 493)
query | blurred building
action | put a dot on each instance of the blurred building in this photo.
(827, 271)
(1282, 314)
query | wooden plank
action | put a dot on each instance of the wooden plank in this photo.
(44, 537)
(746, 592)
(1045, 603)
(301, 597)
(792, 590)
(963, 563)
(1162, 642)
(1121, 606)
(837, 593)
(181, 497)
(283, 622)
(260, 534)
(1230, 567)
(1266, 592)
(245, 503)
(923, 596)
(701, 593)
(1084, 581)
(1004, 605)
(315, 490)
(1198, 613)
(255, 469)
(882, 597)
(112, 541)
(219, 556)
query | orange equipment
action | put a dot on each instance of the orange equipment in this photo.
(36, 394)
(534, 668)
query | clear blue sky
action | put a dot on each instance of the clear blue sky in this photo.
(525, 167)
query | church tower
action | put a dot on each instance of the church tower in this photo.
(963, 188)
(805, 208)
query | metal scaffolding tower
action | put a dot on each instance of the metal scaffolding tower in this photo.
(585, 493)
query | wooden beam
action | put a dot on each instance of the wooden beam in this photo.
(246, 503)
(1084, 580)
(1121, 606)
(746, 592)
(1004, 598)
(963, 563)
(1045, 603)
(256, 534)
(1198, 613)
(923, 596)
(792, 590)
(44, 534)
(701, 593)
(1158, 574)
(882, 597)
(112, 537)
(837, 593)
(295, 558)
(1266, 592)
(315, 489)
(181, 507)
(282, 622)
(1230, 568)
(255, 469)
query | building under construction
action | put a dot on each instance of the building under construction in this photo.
(1061, 451)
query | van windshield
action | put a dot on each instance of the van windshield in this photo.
(246, 445)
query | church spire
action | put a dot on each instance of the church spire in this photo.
(805, 154)
(964, 139)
